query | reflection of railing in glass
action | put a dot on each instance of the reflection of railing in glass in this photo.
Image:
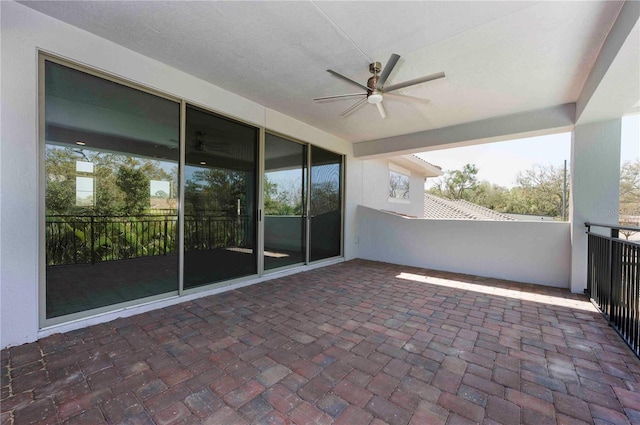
(72, 239)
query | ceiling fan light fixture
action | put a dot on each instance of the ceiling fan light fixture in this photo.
(375, 97)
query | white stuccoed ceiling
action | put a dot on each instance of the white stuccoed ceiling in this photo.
(499, 57)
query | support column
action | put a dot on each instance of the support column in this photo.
(595, 187)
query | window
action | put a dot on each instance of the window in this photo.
(285, 199)
(110, 150)
(325, 191)
(220, 199)
(84, 184)
(399, 180)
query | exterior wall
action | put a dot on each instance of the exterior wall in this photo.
(24, 32)
(595, 188)
(530, 252)
(375, 178)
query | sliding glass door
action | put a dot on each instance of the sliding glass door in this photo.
(219, 199)
(285, 171)
(325, 204)
(138, 198)
(111, 158)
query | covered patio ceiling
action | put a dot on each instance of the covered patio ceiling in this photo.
(500, 58)
(353, 343)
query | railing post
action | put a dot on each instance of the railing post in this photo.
(75, 248)
(93, 251)
(589, 262)
(166, 231)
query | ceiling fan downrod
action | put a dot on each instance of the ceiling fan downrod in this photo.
(374, 96)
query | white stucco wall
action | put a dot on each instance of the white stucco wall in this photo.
(530, 252)
(375, 178)
(595, 188)
(24, 32)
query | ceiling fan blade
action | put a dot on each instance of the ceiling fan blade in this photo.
(352, 108)
(383, 113)
(407, 97)
(340, 96)
(347, 79)
(391, 63)
(414, 82)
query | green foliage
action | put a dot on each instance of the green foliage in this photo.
(630, 196)
(459, 184)
(61, 185)
(283, 199)
(539, 190)
(325, 197)
(121, 182)
(98, 232)
(630, 188)
(134, 182)
(217, 191)
(491, 196)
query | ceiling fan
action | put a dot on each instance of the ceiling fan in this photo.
(375, 89)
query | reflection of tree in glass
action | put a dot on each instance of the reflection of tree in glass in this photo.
(134, 182)
(118, 224)
(398, 185)
(284, 198)
(121, 181)
(216, 191)
(325, 197)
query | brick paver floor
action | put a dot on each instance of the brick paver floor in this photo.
(354, 343)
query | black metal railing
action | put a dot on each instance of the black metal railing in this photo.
(613, 280)
(75, 239)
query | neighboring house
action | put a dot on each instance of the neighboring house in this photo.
(436, 207)
(396, 184)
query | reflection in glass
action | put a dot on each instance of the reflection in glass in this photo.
(219, 214)
(399, 185)
(326, 204)
(108, 238)
(284, 202)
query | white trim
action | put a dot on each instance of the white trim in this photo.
(399, 201)
(398, 169)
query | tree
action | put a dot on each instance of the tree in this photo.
(216, 191)
(630, 196)
(60, 194)
(458, 184)
(491, 196)
(541, 188)
(630, 186)
(398, 185)
(121, 182)
(131, 180)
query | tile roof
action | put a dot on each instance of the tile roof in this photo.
(433, 165)
(448, 209)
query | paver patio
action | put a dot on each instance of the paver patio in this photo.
(353, 343)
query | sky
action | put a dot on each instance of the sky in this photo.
(499, 163)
